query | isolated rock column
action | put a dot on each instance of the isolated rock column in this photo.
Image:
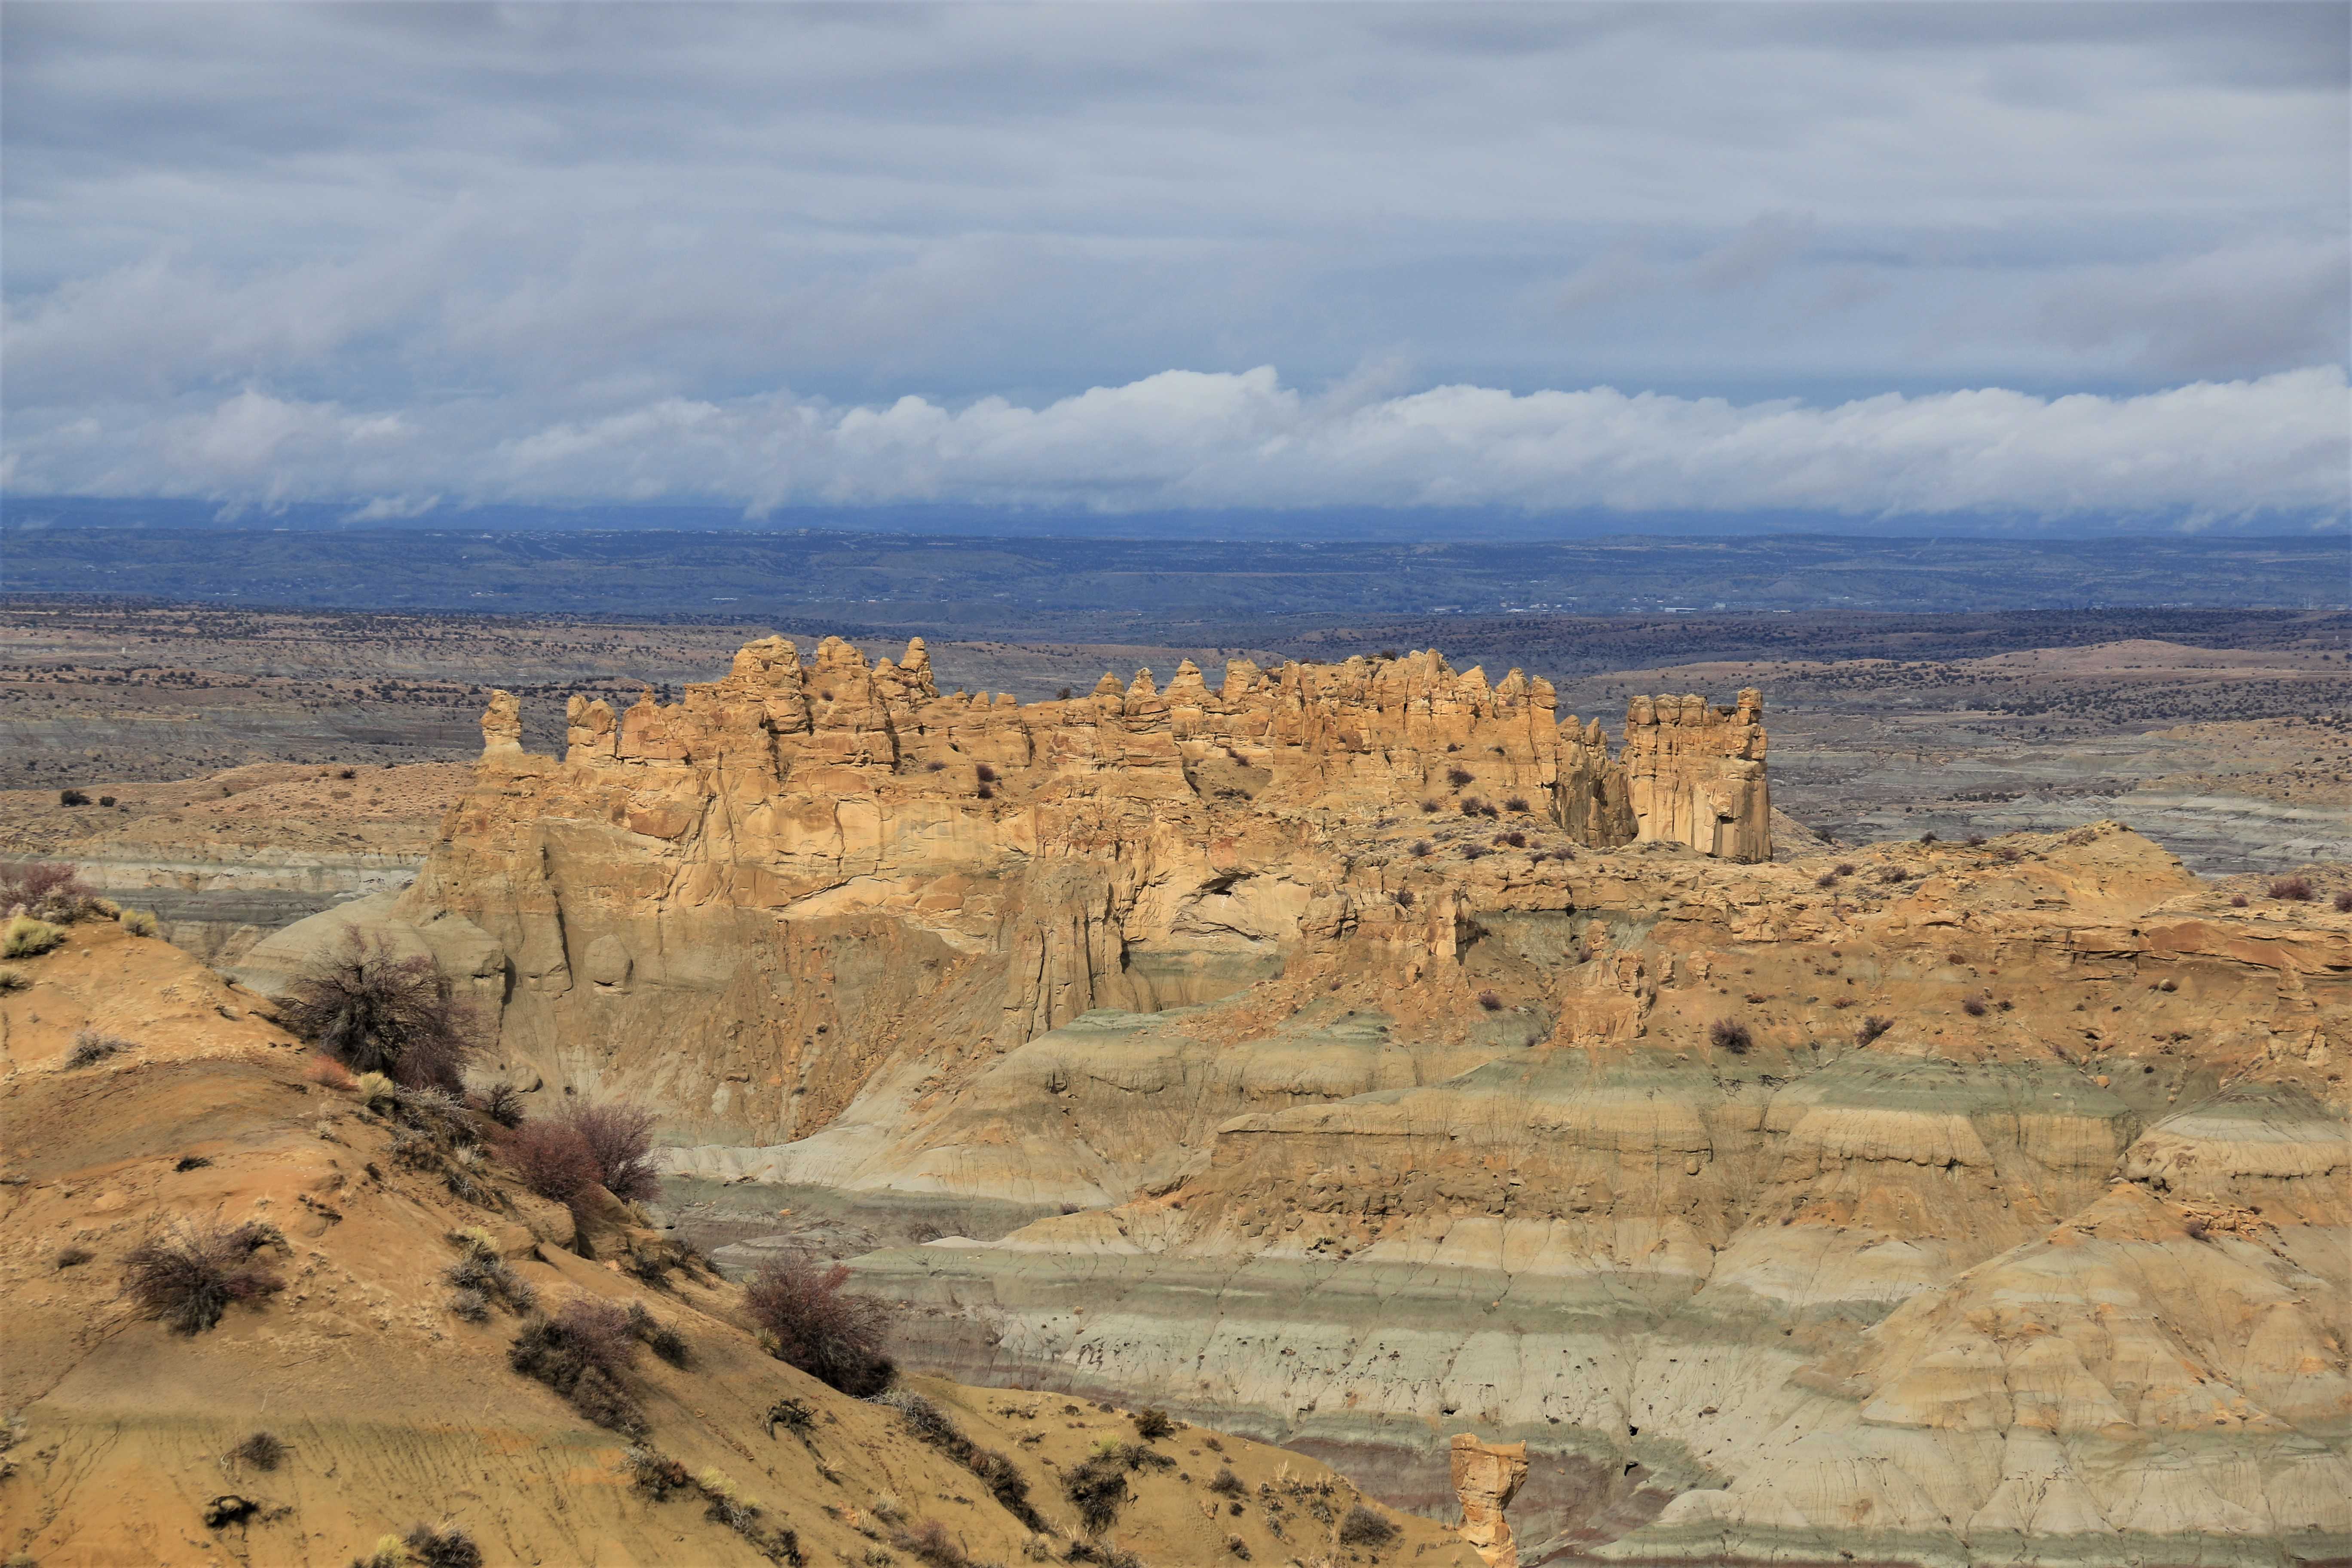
(1486, 1476)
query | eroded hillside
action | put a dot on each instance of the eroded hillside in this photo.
(1383, 1058)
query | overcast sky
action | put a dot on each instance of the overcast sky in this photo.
(1879, 260)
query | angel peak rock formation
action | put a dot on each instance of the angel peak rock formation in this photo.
(1386, 731)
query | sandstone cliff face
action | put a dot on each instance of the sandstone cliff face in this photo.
(1781, 1211)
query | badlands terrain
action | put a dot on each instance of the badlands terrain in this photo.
(1352, 1055)
(131, 1445)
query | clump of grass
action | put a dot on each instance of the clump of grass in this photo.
(13, 980)
(374, 1088)
(260, 1451)
(1730, 1034)
(26, 937)
(188, 1276)
(138, 922)
(92, 1047)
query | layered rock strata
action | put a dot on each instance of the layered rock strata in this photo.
(1951, 1203)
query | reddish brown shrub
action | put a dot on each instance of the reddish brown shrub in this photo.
(1489, 1001)
(811, 1322)
(2344, 902)
(187, 1276)
(375, 1011)
(620, 1136)
(329, 1072)
(553, 1158)
(2295, 889)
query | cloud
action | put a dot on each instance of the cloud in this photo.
(2274, 447)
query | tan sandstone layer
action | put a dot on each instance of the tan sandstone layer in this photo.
(1379, 1115)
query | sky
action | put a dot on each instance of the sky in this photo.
(1882, 261)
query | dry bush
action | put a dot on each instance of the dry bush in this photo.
(1516, 840)
(1226, 1483)
(809, 1321)
(138, 922)
(1826, 880)
(984, 774)
(1891, 874)
(1469, 805)
(2344, 902)
(13, 980)
(187, 1275)
(1730, 1034)
(1871, 1027)
(1844, 868)
(1973, 1006)
(1098, 1489)
(502, 1103)
(1457, 777)
(328, 1073)
(553, 1158)
(657, 1336)
(375, 1011)
(619, 1137)
(2237, 900)
(1517, 803)
(1429, 808)
(49, 890)
(72, 1257)
(1364, 1528)
(1404, 896)
(1420, 848)
(929, 1543)
(262, 1451)
(1151, 1423)
(92, 1047)
(1927, 839)
(1489, 1001)
(581, 1353)
(2295, 889)
(442, 1546)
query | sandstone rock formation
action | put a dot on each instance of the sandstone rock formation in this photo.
(1486, 1476)
(1783, 1210)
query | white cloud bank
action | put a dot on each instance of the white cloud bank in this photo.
(2274, 447)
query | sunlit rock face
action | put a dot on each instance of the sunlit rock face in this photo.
(1387, 1057)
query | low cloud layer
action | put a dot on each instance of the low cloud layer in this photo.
(390, 253)
(2276, 448)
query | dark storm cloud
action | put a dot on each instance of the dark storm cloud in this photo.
(405, 251)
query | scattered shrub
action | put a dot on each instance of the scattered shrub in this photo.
(1152, 1424)
(2343, 902)
(2295, 889)
(1364, 1528)
(187, 1275)
(1420, 848)
(2237, 900)
(374, 1011)
(72, 1257)
(1098, 1489)
(1486, 810)
(984, 774)
(389, 1553)
(654, 1471)
(1927, 839)
(90, 1047)
(1457, 777)
(1870, 1028)
(581, 1353)
(106, 800)
(445, 1546)
(72, 797)
(482, 1271)
(1489, 1001)
(1514, 840)
(657, 1336)
(262, 1450)
(471, 1306)
(1226, 1483)
(809, 1321)
(1844, 868)
(986, 791)
(935, 766)
(1469, 805)
(1891, 874)
(1976, 840)
(26, 937)
(1404, 896)
(1517, 803)
(930, 1543)
(1973, 1006)
(1237, 1547)
(138, 922)
(191, 1162)
(502, 1103)
(553, 1158)
(619, 1137)
(1429, 808)
(1730, 1034)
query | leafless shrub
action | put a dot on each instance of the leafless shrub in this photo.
(1514, 840)
(2237, 900)
(187, 1275)
(1927, 837)
(261, 1450)
(984, 774)
(2344, 902)
(1973, 1006)
(1404, 896)
(1420, 848)
(1730, 1034)
(2295, 889)
(1826, 880)
(1152, 1424)
(1871, 1027)
(92, 1047)
(1517, 803)
(1469, 803)
(49, 890)
(809, 1321)
(375, 1011)
(581, 1353)
(1844, 868)
(442, 1546)
(1891, 874)
(553, 1158)
(1098, 1489)
(1976, 840)
(619, 1136)
(1226, 1483)
(659, 1337)
(1364, 1528)
(1457, 777)
(1489, 1001)
(502, 1103)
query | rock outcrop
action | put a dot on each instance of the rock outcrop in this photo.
(1486, 1476)
(1370, 1052)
